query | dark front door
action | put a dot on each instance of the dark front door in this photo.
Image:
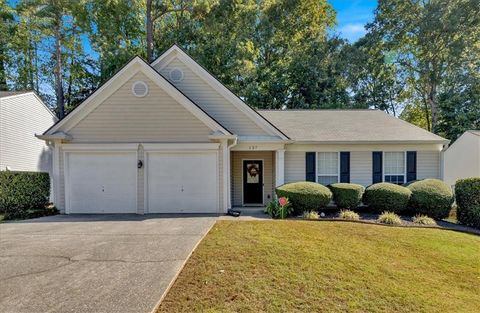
(252, 182)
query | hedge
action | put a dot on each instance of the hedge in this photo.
(431, 197)
(467, 196)
(387, 197)
(347, 196)
(23, 192)
(305, 196)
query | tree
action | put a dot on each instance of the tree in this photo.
(429, 37)
(7, 29)
(373, 80)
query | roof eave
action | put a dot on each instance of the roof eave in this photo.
(362, 142)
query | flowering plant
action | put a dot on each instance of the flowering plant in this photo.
(280, 208)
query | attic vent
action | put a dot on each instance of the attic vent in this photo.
(139, 89)
(176, 75)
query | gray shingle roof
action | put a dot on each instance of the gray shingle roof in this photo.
(4, 94)
(358, 126)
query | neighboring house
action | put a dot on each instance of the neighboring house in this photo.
(168, 137)
(22, 115)
(462, 158)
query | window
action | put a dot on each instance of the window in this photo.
(327, 168)
(394, 167)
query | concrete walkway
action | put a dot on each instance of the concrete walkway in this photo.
(98, 264)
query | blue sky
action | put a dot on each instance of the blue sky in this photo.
(352, 15)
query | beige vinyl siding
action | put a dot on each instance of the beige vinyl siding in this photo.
(294, 166)
(141, 182)
(124, 117)
(211, 101)
(21, 117)
(237, 158)
(428, 164)
(361, 167)
(428, 160)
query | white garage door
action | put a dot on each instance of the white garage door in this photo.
(101, 182)
(182, 182)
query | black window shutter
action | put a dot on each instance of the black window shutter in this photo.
(310, 166)
(411, 165)
(344, 167)
(377, 167)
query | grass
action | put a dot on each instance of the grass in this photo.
(309, 266)
(1, 217)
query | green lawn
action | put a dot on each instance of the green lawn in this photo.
(301, 266)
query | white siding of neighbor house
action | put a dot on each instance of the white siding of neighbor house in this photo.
(21, 117)
(211, 101)
(237, 158)
(428, 160)
(124, 117)
(462, 158)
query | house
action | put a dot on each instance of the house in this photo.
(22, 115)
(168, 137)
(462, 158)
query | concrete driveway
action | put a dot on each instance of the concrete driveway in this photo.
(93, 263)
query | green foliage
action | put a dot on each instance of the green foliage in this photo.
(305, 196)
(389, 218)
(423, 220)
(280, 208)
(348, 215)
(467, 196)
(431, 197)
(386, 196)
(310, 215)
(22, 192)
(347, 196)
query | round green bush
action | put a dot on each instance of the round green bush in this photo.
(467, 196)
(387, 197)
(431, 197)
(305, 196)
(347, 196)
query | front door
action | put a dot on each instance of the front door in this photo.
(252, 182)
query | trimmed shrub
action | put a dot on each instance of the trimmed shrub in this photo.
(423, 220)
(467, 195)
(23, 193)
(431, 197)
(386, 196)
(347, 196)
(389, 218)
(305, 196)
(310, 215)
(348, 215)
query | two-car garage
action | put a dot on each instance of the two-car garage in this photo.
(133, 178)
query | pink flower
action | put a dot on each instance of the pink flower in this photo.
(283, 201)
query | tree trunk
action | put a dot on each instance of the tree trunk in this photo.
(432, 102)
(149, 32)
(3, 74)
(58, 68)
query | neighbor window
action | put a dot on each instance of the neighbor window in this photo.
(394, 167)
(327, 168)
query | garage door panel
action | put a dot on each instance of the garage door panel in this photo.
(182, 182)
(101, 182)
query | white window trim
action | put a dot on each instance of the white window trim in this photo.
(404, 166)
(331, 175)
